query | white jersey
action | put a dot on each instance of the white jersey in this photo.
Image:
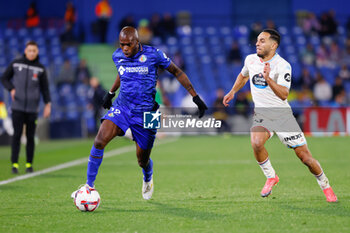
(263, 96)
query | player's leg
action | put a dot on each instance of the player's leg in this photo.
(107, 131)
(146, 163)
(259, 135)
(30, 134)
(314, 166)
(17, 122)
(144, 139)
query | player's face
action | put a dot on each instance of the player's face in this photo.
(31, 52)
(129, 46)
(264, 45)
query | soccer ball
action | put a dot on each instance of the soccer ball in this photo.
(87, 199)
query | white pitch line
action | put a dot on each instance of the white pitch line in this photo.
(73, 163)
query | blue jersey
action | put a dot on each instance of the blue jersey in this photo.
(138, 77)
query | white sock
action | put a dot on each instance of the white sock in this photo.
(267, 168)
(322, 181)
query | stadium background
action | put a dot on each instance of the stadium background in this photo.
(200, 44)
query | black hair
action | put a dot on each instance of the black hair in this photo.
(274, 35)
(31, 42)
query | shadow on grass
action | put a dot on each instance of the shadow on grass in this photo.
(338, 209)
(186, 212)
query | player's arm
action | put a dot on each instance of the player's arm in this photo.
(186, 83)
(279, 90)
(107, 99)
(115, 85)
(6, 80)
(239, 83)
(182, 78)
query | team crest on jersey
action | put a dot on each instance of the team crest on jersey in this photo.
(35, 76)
(259, 81)
(143, 58)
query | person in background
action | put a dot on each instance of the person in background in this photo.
(96, 94)
(82, 72)
(32, 16)
(70, 16)
(234, 56)
(66, 75)
(103, 12)
(127, 21)
(322, 90)
(25, 78)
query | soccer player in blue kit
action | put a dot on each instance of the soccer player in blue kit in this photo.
(137, 66)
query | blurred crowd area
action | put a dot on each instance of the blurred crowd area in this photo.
(317, 47)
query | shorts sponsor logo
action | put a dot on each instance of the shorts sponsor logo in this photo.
(292, 138)
(259, 81)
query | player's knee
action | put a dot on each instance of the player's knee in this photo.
(257, 144)
(99, 143)
(142, 163)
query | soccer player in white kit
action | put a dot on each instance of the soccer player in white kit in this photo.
(270, 80)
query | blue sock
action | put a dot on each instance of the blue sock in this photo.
(95, 160)
(148, 172)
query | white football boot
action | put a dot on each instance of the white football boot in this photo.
(147, 189)
(81, 186)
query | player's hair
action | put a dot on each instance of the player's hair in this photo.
(31, 42)
(274, 35)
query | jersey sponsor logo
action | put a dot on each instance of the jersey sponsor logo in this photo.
(121, 70)
(143, 58)
(294, 137)
(287, 77)
(259, 81)
(136, 69)
(151, 120)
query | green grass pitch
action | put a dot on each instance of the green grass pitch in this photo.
(202, 184)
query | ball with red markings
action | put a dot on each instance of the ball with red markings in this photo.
(87, 199)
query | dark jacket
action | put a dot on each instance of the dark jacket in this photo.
(29, 80)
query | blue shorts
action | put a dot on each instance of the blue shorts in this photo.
(125, 119)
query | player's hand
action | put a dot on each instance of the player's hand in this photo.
(107, 100)
(267, 69)
(228, 98)
(201, 105)
(13, 93)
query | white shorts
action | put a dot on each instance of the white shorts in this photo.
(286, 128)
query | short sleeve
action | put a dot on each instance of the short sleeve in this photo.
(285, 76)
(245, 71)
(162, 60)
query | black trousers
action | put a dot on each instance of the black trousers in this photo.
(19, 119)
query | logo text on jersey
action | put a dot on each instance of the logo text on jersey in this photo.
(259, 81)
(135, 69)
